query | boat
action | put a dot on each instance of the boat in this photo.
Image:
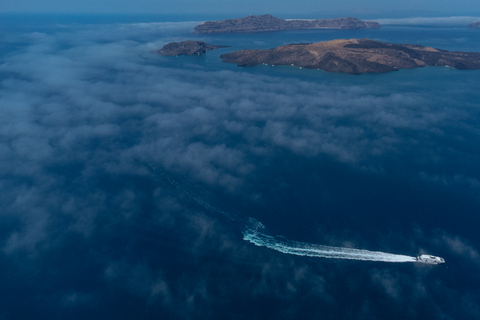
(429, 259)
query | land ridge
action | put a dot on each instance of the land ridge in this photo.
(269, 23)
(355, 56)
(187, 47)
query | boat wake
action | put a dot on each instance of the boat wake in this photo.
(255, 234)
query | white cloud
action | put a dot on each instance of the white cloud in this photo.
(461, 247)
(431, 21)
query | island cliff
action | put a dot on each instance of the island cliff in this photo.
(269, 23)
(188, 47)
(355, 56)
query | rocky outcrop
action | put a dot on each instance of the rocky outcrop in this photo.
(269, 23)
(188, 47)
(355, 56)
(474, 25)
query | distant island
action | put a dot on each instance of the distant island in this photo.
(269, 23)
(355, 56)
(188, 47)
(474, 25)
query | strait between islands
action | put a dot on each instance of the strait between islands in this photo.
(354, 56)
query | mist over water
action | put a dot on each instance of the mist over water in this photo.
(127, 178)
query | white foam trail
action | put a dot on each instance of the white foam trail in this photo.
(255, 235)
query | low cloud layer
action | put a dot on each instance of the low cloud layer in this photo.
(85, 114)
(431, 21)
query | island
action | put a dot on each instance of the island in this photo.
(474, 25)
(355, 56)
(269, 23)
(188, 47)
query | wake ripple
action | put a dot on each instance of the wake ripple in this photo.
(254, 233)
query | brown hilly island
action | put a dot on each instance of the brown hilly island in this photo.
(188, 47)
(269, 23)
(355, 56)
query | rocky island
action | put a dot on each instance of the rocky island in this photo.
(355, 56)
(269, 23)
(474, 25)
(188, 47)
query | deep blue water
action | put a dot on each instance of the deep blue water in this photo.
(127, 178)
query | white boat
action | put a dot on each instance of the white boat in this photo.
(428, 259)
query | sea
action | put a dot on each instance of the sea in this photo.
(139, 186)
